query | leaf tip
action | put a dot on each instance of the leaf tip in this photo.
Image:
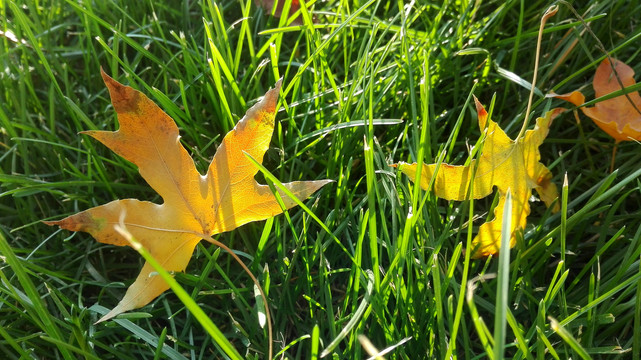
(575, 97)
(104, 74)
(271, 97)
(109, 81)
(124, 98)
(267, 104)
(479, 108)
(481, 113)
(111, 314)
(278, 84)
(51, 223)
(556, 112)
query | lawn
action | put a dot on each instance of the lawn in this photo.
(372, 265)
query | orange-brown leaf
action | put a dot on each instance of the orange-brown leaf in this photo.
(193, 205)
(619, 117)
(268, 5)
(503, 163)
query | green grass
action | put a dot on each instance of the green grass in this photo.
(381, 262)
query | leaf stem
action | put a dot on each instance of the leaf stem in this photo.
(548, 14)
(260, 288)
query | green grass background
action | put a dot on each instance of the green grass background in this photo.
(370, 84)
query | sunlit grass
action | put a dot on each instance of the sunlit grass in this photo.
(371, 83)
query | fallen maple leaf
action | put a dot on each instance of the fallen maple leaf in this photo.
(503, 163)
(619, 117)
(268, 5)
(194, 206)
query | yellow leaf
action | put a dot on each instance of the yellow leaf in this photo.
(619, 117)
(193, 205)
(503, 163)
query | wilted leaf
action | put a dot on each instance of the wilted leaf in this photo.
(193, 205)
(620, 116)
(503, 163)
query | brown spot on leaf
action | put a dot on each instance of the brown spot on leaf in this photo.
(79, 222)
(124, 98)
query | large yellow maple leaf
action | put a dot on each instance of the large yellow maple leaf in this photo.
(503, 163)
(193, 205)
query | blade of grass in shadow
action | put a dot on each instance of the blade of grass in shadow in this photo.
(557, 281)
(604, 297)
(438, 300)
(65, 344)
(13, 342)
(161, 342)
(581, 213)
(35, 305)
(548, 345)
(636, 337)
(291, 344)
(355, 318)
(477, 320)
(521, 342)
(139, 332)
(569, 339)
